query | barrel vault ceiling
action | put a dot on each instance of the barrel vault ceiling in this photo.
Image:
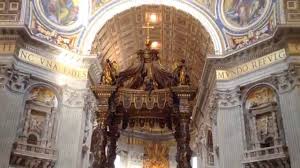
(180, 36)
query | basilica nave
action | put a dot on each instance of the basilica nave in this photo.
(149, 83)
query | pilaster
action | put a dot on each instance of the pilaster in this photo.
(13, 85)
(288, 83)
(71, 120)
(229, 139)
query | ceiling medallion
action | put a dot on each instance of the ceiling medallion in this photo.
(241, 15)
(64, 16)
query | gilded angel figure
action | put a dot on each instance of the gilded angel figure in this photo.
(110, 73)
(180, 73)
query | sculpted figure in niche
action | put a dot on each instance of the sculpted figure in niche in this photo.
(35, 126)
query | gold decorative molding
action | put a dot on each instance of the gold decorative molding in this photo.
(253, 65)
(7, 46)
(52, 65)
(294, 47)
(10, 11)
(292, 11)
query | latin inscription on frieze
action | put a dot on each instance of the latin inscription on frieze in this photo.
(52, 65)
(231, 73)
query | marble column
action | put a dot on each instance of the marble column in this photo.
(288, 84)
(229, 118)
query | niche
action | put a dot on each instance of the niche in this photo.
(39, 126)
(262, 118)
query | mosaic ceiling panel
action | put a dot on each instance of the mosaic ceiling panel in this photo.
(61, 12)
(178, 34)
(243, 13)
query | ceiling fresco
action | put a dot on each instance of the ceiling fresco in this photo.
(241, 22)
(62, 12)
(244, 13)
(239, 41)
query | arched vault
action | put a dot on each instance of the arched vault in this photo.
(115, 7)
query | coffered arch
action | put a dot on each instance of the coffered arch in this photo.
(179, 36)
(115, 7)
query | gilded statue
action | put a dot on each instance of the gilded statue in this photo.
(110, 73)
(180, 73)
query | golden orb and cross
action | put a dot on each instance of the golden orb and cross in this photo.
(151, 18)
